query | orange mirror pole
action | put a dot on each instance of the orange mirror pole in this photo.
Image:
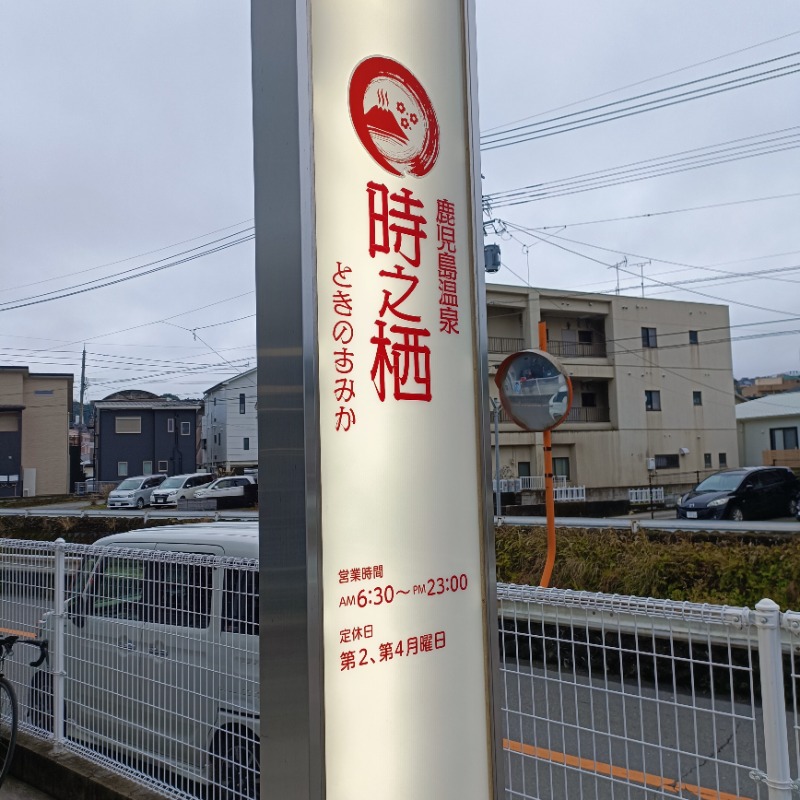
(549, 499)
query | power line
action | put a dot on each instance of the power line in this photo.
(629, 272)
(645, 80)
(535, 131)
(82, 288)
(651, 214)
(672, 163)
(125, 260)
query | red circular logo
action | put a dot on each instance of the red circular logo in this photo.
(394, 117)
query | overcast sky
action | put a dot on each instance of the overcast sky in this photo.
(125, 139)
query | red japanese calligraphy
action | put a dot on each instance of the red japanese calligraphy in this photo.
(406, 227)
(407, 360)
(343, 334)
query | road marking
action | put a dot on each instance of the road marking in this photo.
(21, 634)
(633, 776)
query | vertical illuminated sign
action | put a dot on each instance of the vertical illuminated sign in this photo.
(398, 539)
(402, 523)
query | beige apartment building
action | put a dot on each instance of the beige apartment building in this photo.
(34, 432)
(652, 382)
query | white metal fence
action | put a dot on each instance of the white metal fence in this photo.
(153, 666)
(153, 671)
(654, 494)
(561, 492)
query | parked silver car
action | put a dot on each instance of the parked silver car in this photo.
(134, 492)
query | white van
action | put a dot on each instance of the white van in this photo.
(161, 653)
(134, 492)
(179, 487)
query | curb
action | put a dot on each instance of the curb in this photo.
(63, 775)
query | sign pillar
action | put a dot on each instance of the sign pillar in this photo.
(378, 609)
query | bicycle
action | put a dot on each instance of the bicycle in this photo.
(9, 709)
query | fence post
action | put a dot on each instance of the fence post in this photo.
(776, 740)
(57, 650)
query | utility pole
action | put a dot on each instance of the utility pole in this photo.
(83, 387)
(497, 499)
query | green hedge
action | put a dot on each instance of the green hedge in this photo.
(702, 568)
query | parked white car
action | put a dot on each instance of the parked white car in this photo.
(239, 489)
(134, 492)
(179, 487)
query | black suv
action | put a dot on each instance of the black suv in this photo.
(747, 493)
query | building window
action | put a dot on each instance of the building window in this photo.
(668, 461)
(163, 466)
(241, 403)
(585, 337)
(561, 467)
(186, 428)
(588, 399)
(649, 337)
(697, 398)
(170, 425)
(128, 425)
(783, 438)
(652, 400)
(215, 401)
(707, 460)
(693, 337)
(147, 467)
(122, 469)
(246, 443)
(523, 469)
(723, 460)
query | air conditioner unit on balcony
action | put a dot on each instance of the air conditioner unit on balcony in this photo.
(26, 492)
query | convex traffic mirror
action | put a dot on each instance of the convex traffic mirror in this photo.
(535, 390)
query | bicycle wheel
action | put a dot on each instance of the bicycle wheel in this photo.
(8, 726)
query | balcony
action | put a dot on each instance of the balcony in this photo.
(562, 349)
(580, 414)
(577, 414)
(505, 344)
(781, 458)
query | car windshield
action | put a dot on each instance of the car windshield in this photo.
(721, 482)
(174, 482)
(128, 485)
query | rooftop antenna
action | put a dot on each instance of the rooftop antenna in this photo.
(623, 263)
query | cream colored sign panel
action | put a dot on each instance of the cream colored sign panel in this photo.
(405, 672)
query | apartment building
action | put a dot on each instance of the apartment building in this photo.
(34, 432)
(652, 387)
(229, 439)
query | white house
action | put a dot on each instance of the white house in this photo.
(769, 430)
(229, 439)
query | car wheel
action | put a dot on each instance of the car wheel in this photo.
(236, 767)
(736, 514)
(140, 503)
(793, 507)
